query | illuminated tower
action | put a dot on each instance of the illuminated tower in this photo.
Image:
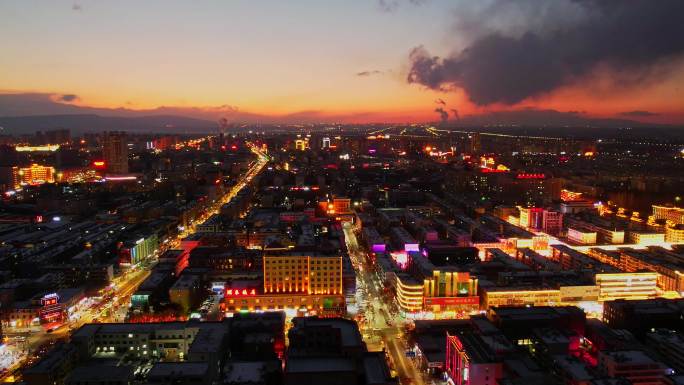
(115, 152)
(473, 144)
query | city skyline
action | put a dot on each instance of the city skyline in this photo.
(346, 62)
(342, 192)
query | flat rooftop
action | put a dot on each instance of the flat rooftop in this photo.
(319, 364)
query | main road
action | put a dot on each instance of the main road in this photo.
(382, 327)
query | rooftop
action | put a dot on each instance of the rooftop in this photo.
(180, 369)
(244, 372)
(99, 372)
(319, 364)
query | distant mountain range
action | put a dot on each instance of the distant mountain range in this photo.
(91, 122)
(29, 112)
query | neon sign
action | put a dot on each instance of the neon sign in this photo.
(531, 176)
(50, 299)
(492, 170)
(240, 293)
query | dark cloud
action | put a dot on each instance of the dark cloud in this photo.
(368, 73)
(639, 114)
(631, 38)
(392, 5)
(455, 114)
(388, 5)
(77, 7)
(443, 115)
(68, 98)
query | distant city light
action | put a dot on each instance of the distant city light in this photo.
(120, 178)
(45, 148)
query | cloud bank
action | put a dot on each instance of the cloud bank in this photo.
(514, 57)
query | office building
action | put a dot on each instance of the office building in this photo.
(115, 152)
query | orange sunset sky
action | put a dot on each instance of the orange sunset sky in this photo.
(344, 61)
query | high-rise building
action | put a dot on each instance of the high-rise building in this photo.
(115, 152)
(473, 144)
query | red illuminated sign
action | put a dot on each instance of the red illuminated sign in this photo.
(240, 293)
(451, 301)
(50, 299)
(99, 163)
(531, 176)
(491, 170)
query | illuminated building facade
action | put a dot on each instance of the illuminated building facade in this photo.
(45, 148)
(471, 360)
(674, 234)
(293, 304)
(606, 232)
(115, 151)
(582, 236)
(570, 196)
(304, 274)
(672, 215)
(492, 297)
(409, 293)
(299, 284)
(442, 293)
(135, 251)
(336, 206)
(669, 276)
(55, 308)
(51, 312)
(301, 144)
(32, 175)
(641, 238)
(642, 285)
(607, 287)
(450, 284)
(531, 217)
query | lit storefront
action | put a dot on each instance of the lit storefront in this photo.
(249, 300)
(442, 295)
